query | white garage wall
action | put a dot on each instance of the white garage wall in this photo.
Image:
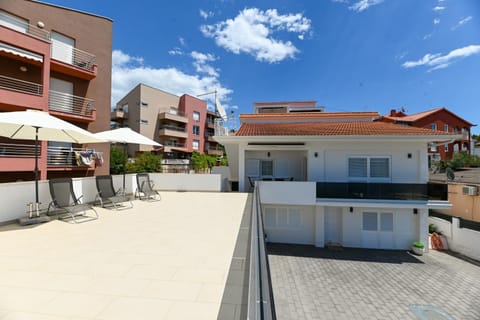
(289, 224)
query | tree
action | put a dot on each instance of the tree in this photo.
(146, 162)
(117, 159)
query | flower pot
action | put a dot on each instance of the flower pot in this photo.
(418, 251)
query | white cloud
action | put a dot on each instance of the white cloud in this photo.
(201, 63)
(251, 32)
(462, 22)
(364, 5)
(438, 61)
(436, 21)
(128, 71)
(182, 41)
(205, 15)
(438, 8)
(175, 52)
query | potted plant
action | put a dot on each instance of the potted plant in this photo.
(418, 248)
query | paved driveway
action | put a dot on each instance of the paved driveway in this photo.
(315, 283)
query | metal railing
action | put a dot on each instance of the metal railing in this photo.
(174, 144)
(73, 56)
(24, 27)
(260, 294)
(67, 157)
(14, 150)
(382, 191)
(175, 128)
(21, 86)
(64, 102)
(220, 127)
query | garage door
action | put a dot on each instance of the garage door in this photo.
(289, 224)
(387, 230)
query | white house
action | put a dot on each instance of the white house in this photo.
(337, 177)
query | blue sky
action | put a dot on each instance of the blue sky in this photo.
(349, 55)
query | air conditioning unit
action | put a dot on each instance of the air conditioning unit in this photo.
(469, 190)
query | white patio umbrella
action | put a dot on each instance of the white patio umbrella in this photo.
(124, 136)
(39, 125)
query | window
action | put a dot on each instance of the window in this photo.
(143, 121)
(373, 221)
(369, 167)
(282, 217)
(433, 126)
(266, 167)
(433, 147)
(195, 144)
(445, 127)
(446, 148)
(196, 116)
(369, 221)
(196, 130)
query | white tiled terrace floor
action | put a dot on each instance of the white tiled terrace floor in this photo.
(159, 260)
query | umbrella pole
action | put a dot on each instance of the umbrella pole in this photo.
(124, 164)
(36, 172)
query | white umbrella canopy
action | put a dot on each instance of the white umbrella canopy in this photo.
(39, 125)
(126, 135)
(23, 125)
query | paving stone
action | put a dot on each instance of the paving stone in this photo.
(316, 283)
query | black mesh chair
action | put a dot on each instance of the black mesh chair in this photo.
(107, 193)
(64, 198)
(145, 189)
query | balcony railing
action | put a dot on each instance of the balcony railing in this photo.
(174, 128)
(13, 150)
(25, 27)
(73, 56)
(382, 191)
(174, 144)
(64, 102)
(70, 157)
(260, 302)
(20, 86)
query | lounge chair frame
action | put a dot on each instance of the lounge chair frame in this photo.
(145, 189)
(64, 198)
(107, 193)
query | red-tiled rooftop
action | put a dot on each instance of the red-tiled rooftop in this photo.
(421, 115)
(309, 115)
(333, 129)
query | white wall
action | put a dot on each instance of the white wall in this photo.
(289, 224)
(287, 192)
(15, 196)
(461, 240)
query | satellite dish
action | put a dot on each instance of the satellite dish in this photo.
(220, 109)
(450, 174)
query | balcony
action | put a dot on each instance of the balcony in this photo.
(21, 86)
(215, 151)
(15, 150)
(382, 191)
(61, 157)
(118, 115)
(73, 61)
(173, 131)
(20, 93)
(179, 117)
(79, 107)
(170, 146)
(23, 27)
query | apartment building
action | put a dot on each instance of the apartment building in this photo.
(57, 60)
(440, 119)
(182, 124)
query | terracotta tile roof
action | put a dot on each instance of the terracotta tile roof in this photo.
(312, 115)
(332, 129)
(420, 115)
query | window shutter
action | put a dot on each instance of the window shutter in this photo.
(379, 168)
(357, 167)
